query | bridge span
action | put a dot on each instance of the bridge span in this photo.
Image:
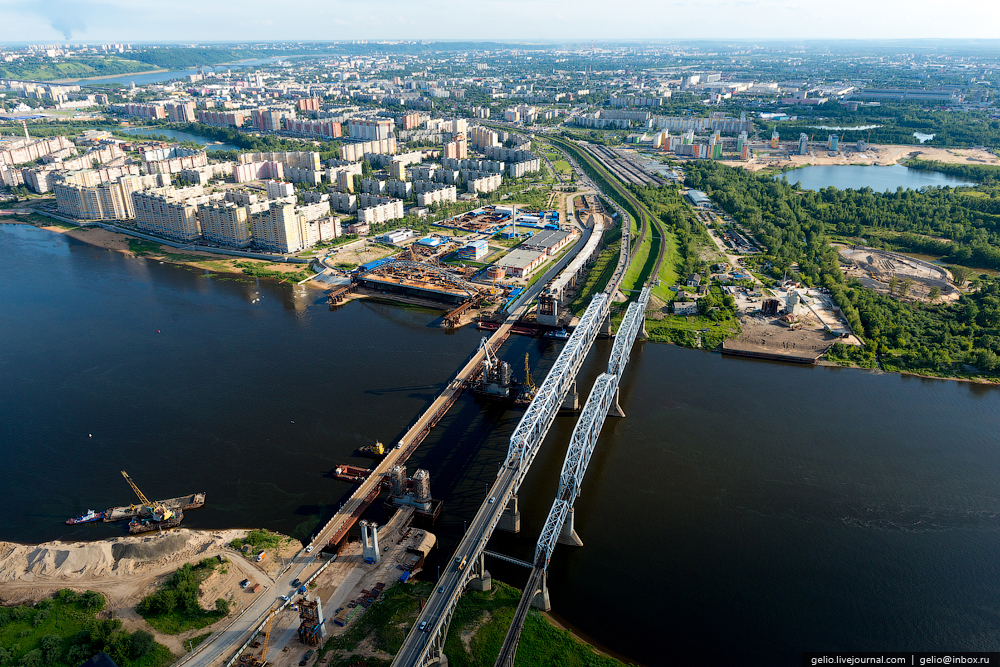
(559, 526)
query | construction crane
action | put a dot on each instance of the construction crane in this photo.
(267, 637)
(528, 382)
(154, 509)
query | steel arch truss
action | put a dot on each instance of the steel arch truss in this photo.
(588, 428)
(548, 399)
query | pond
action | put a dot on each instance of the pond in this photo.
(177, 135)
(855, 177)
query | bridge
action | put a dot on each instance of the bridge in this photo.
(424, 645)
(559, 526)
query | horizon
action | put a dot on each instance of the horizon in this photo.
(551, 21)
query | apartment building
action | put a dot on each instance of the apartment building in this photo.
(171, 212)
(312, 128)
(104, 201)
(370, 130)
(222, 118)
(181, 112)
(225, 223)
(439, 194)
(20, 151)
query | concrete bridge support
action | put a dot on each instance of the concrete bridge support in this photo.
(568, 534)
(541, 599)
(616, 409)
(510, 520)
(572, 401)
(482, 581)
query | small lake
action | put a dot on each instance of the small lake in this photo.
(880, 179)
(177, 135)
(921, 137)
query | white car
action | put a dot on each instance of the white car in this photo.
(309, 550)
(285, 598)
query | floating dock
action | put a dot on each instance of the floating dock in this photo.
(179, 504)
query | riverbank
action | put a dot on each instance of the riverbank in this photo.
(883, 155)
(210, 262)
(105, 76)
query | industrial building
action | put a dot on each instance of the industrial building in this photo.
(474, 250)
(521, 262)
(699, 199)
(548, 241)
(396, 236)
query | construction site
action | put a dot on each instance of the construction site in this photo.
(339, 594)
(897, 274)
(797, 325)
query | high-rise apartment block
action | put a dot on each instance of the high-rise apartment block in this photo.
(171, 212)
(307, 104)
(104, 201)
(369, 130)
(410, 121)
(235, 118)
(181, 112)
(225, 223)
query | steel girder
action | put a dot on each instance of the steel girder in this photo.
(630, 327)
(548, 399)
(588, 428)
(581, 446)
(470, 288)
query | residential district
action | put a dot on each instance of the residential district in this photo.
(512, 186)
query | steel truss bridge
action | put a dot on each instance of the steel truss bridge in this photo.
(558, 526)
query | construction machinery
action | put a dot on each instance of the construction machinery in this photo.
(250, 660)
(156, 509)
(528, 382)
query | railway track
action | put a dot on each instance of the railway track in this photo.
(597, 158)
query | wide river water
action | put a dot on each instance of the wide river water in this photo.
(742, 513)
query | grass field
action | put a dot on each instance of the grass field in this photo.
(64, 631)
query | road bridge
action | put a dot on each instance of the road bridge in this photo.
(424, 645)
(559, 526)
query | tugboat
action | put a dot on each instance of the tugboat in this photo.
(561, 334)
(91, 515)
(375, 451)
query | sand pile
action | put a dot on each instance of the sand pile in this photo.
(116, 557)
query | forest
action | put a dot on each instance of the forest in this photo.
(796, 227)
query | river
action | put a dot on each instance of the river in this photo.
(880, 179)
(141, 79)
(742, 513)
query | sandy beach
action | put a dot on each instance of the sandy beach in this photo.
(876, 154)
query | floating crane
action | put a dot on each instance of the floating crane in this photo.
(153, 509)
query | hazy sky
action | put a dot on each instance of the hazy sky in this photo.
(226, 20)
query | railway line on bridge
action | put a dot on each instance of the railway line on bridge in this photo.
(424, 644)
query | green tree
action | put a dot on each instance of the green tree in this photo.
(32, 658)
(51, 646)
(140, 644)
(933, 293)
(960, 274)
(222, 606)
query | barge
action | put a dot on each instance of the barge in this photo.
(179, 505)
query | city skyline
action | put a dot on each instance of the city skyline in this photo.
(552, 20)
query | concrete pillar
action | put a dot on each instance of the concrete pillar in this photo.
(541, 599)
(616, 409)
(568, 534)
(441, 661)
(572, 401)
(482, 581)
(510, 520)
(606, 326)
(369, 542)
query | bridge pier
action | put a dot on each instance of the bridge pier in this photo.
(510, 520)
(572, 401)
(568, 533)
(606, 326)
(541, 599)
(616, 409)
(482, 581)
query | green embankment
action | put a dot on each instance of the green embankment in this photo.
(174, 608)
(474, 637)
(64, 631)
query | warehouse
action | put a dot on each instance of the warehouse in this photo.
(549, 241)
(520, 263)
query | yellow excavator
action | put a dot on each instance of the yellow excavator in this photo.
(157, 509)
